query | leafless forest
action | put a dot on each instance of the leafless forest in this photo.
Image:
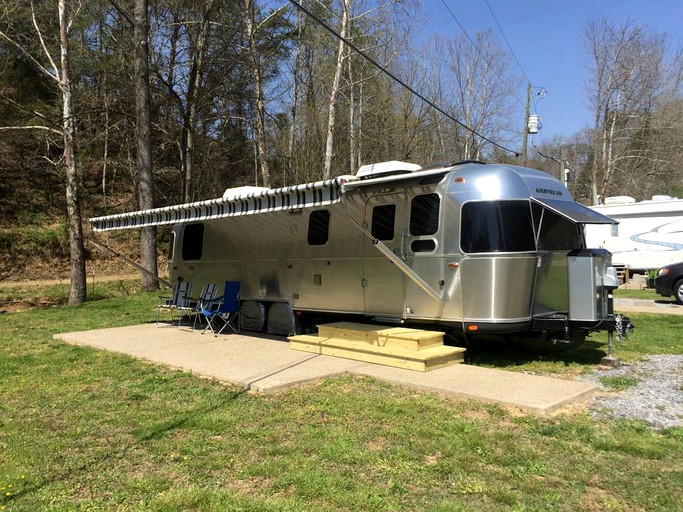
(109, 106)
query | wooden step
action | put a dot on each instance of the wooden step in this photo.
(382, 336)
(400, 347)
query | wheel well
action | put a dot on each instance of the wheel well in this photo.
(678, 281)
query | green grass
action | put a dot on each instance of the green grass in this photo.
(82, 429)
(647, 294)
(653, 334)
(619, 382)
(58, 294)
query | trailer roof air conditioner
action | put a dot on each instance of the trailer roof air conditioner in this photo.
(235, 192)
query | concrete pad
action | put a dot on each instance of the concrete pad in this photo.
(533, 393)
(251, 362)
(266, 364)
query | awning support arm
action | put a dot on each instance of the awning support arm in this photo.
(130, 262)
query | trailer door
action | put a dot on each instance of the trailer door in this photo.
(424, 255)
(384, 286)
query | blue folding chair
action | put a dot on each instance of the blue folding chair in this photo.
(224, 308)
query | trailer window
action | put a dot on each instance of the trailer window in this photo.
(424, 215)
(557, 233)
(319, 227)
(383, 221)
(193, 242)
(497, 226)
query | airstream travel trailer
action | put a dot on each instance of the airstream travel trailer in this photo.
(470, 248)
(649, 235)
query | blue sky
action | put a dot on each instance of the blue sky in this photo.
(547, 40)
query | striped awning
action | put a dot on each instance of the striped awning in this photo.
(320, 193)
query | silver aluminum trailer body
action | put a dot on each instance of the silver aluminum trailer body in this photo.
(473, 248)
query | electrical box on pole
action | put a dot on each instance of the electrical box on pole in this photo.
(526, 121)
(534, 124)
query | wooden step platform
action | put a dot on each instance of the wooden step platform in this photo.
(413, 349)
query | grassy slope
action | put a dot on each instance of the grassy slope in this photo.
(91, 430)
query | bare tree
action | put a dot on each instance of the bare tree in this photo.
(143, 136)
(60, 75)
(336, 81)
(289, 173)
(181, 66)
(472, 80)
(482, 100)
(257, 76)
(631, 76)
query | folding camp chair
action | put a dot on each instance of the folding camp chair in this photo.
(224, 308)
(208, 294)
(180, 298)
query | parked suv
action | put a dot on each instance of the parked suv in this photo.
(669, 281)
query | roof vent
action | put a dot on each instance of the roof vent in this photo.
(369, 171)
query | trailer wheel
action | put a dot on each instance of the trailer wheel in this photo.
(678, 291)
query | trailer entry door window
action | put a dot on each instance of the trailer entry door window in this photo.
(383, 221)
(497, 226)
(424, 215)
(319, 227)
(193, 242)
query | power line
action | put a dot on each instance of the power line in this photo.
(507, 42)
(395, 78)
(476, 47)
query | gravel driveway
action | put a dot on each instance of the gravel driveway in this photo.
(657, 398)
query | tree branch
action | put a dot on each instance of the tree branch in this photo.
(122, 12)
(28, 56)
(22, 107)
(42, 42)
(32, 127)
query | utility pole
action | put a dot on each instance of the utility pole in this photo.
(526, 121)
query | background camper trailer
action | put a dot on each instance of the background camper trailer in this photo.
(649, 235)
(469, 248)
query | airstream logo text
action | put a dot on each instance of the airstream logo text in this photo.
(549, 191)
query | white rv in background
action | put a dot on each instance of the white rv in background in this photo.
(649, 234)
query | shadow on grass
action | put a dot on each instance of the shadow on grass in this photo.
(502, 352)
(668, 302)
(140, 436)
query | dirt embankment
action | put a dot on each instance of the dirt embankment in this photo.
(50, 282)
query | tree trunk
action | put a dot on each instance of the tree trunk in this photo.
(295, 103)
(329, 145)
(78, 290)
(258, 93)
(608, 145)
(353, 166)
(143, 139)
(192, 108)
